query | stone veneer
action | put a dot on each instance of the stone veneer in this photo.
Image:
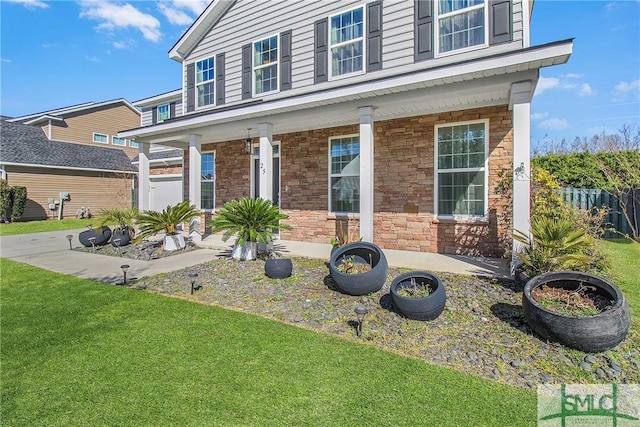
(404, 184)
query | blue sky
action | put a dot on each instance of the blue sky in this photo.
(60, 53)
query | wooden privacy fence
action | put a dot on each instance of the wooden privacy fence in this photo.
(588, 198)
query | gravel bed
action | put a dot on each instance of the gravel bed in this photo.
(482, 330)
(146, 250)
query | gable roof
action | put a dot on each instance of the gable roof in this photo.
(60, 113)
(160, 98)
(28, 146)
(207, 19)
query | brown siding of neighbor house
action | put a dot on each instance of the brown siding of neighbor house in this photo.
(96, 190)
(79, 127)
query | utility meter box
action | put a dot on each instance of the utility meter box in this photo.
(64, 196)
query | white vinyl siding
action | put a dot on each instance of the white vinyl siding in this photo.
(101, 138)
(461, 169)
(344, 174)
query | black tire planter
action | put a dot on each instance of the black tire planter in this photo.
(520, 276)
(102, 236)
(591, 334)
(278, 268)
(359, 284)
(124, 236)
(424, 308)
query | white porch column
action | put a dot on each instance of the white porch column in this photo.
(366, 173)
(520, 103)
(144, 187)
(195, 175)
(266, 161)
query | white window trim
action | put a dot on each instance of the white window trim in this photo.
(168, 111)
(210, 180)
(113, 141)
(330, 175)
(254, 67)
(364, 44)
(485, 166)
(101, 134)
(449, 14)
(196, 84)
(133, 141)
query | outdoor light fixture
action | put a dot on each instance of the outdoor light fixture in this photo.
(193, 275)
(69, 238)
(116, 242)
(124, 268)
(361, 311)
(92, 240)
(248, 142)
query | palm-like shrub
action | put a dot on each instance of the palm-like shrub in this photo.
(555, 244)
(152, 222)
(252, 220)
(123, 218)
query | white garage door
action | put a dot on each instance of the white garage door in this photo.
(165, 191)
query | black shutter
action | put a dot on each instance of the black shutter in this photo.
(423, 30)
(172, 110)
(220, 79)
(285, 60)
(374, 36)
(500, 21)
(154, 115)
(247, 79)
(191, 87)
(321, 61)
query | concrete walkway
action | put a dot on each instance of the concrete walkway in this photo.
(50, 250)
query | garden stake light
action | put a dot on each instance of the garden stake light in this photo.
(69, 238)
(193, 275)
(116, 242)
(124, 268)
(92, 240)
(361, 311)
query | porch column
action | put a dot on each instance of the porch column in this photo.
(144, 190)
(521, 94)
(266, 161)
(366, 173)
(195, 175)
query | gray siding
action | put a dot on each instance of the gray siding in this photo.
(251, 20)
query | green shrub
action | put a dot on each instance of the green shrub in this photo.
(19, 201)
(151, 222)
(5, 199)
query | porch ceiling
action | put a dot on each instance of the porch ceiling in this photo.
(465, 86)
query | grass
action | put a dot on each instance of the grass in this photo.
(623, 254)
(78, 352)
(46, 225)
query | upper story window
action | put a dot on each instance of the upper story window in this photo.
(461, 154)
(118, 141)
(101, 138)
(133, 143)
(163, 112)
(461, 24)
(265, 65)
(205, 82)
(344, 174)
(346, 41)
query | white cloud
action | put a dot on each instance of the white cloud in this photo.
(113, 15)
(539, 116)
(585, 90)
(554, 124)
(30, 4)
(546, 83)
(623, 90)
(49, 45)
(195, 6)
(174, 16)
(5, 60)
(120, 45)
(92, 58)
(573, 76)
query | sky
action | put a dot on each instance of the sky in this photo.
(60, 53)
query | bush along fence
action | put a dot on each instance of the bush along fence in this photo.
(588, 198)
(12, 202)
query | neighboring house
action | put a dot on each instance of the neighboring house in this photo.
(93, 123)
(94, 176)
(399, 116)
(165, 163)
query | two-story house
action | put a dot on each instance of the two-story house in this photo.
(398, 116)
(74, 150)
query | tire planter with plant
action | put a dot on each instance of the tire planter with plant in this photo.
(590, 333)
(123, 235)
(101, 234)
(278, 268)
(418, 295)
(359, 253)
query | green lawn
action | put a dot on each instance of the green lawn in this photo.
(624, 256)
(46, 225)
(77, 352)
